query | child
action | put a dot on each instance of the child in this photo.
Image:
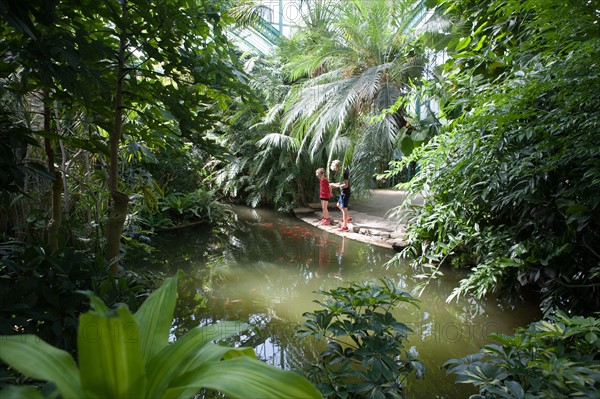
(324, 194)
(344, 195)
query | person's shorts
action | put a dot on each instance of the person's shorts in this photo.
(343, 200)
(324, 199)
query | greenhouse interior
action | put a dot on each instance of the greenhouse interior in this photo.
(263, 199)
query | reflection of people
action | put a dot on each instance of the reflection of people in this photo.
(344, 194)
(324, 253)
(324, 195)
(340, 252)
(327, 251)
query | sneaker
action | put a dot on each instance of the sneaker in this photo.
(326, 222)
(343, 229)
(349, 219)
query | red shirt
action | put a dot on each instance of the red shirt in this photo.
(325, 191)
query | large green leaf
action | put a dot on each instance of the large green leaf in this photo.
(154, 318)
(20, 392)
(110, 357)
(211, 352)
(179, 357)
(37, 359)
(407, 146)
(243, 377)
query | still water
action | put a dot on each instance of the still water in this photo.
(266, 268)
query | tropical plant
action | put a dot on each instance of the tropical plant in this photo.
(139, 73)
(364, 355)
(197, 206)
(125, 355)
(38, 293)
(510, 188)
(351, 61)
(260, 171)
(553, 358)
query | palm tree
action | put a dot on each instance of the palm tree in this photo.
(351, 62)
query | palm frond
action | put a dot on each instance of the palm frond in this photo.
(339, 147)
(304, 101)
(274, 112)
(357, 58)
(371, 152)
(249, 13)
(279, 141)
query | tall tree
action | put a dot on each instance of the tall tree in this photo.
(34, 44)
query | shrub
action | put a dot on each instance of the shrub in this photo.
(554, 358)
(364, 356)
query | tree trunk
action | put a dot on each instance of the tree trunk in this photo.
(118, 212)
(63, 165)
(56, 214)
(116, 220)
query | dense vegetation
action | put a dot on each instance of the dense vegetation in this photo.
(338, 89)
(365, 355)
(502, 94)
(99, 92)
(118, 120)
(511, 185)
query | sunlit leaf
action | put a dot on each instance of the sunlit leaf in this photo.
(243, 377)
(110, 356)
(154, 318)
(37, 359)
(189, 351)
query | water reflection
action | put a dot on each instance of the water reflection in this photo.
(266, 270)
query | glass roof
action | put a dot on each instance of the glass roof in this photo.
(279, 18)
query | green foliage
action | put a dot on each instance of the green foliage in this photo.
(40, 291)
(511, 186)
(125, 355)
(364, 355)
(553, 358)
(350, 61)
(198, 206)
(178, 73)
(176, 168)
(38, 294)
(14, 140)
(261, 171)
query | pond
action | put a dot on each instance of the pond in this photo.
(266, 268)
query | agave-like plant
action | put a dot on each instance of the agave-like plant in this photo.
(125, 355)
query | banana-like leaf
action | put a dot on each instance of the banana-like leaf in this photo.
(20, 392)
(40, 360)
(183, 354)
(154, 318)
(243, 377)
(110, 357)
